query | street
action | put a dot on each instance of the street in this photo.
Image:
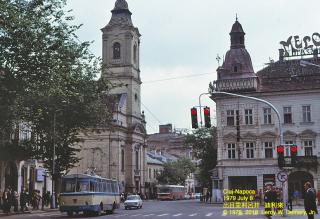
(161, 209)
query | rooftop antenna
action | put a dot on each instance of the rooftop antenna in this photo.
(236, 17)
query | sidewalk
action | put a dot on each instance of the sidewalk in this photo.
(46, 209)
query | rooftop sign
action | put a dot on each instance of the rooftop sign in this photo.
(295, 46)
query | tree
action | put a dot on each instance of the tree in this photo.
(204, 144)
(176, 172)
(48, 80)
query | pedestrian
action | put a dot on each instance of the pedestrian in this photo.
(260, 196)
(10, 199)
(5, 199)
(15, 202)
(296, 195)
(23, 200)
(207, 196)
(310, 200)
(318, 197)
(269, 201)
(290, 197)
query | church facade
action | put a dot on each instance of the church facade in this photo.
(119, 151)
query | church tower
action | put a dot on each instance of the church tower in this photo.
(121, 44)
(120, 54)
(118, 151)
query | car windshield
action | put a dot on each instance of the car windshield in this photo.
(134, 197)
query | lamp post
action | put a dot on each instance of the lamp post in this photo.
(53, 199)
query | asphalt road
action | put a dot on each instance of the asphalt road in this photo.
(192, 209)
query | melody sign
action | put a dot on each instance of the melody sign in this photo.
(294, 46)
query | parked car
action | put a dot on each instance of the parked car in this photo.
(133, 201)
(197, 195)
(187, 196)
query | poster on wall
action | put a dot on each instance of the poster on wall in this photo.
(40, 175)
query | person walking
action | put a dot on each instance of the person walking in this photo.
(23, 200)
(15, 198)
(310, 200)
(269, 201)
(5, 199)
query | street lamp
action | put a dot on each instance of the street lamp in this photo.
(53, 199)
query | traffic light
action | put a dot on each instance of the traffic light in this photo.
(280, 152)
(194, 118)
(207, 120)
(294, 152)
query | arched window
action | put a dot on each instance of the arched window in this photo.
(116, 50)
(135, 53)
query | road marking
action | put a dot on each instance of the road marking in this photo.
(161, 215)
(146, 215)
(135, 215)
(208, 215)
(192, 215)
(121, 215)
(48, 214)
(176, 215)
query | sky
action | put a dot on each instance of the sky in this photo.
(181, 40)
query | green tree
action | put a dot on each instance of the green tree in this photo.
(47, 76)
(204, 144)
(176, 172)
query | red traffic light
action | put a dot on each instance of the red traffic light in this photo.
(193, 111)
(294, 149)
(206, 111)
(280, 149)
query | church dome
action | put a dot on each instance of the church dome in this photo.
(237, 62)
(236, 28)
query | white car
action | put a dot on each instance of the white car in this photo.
(133, 201)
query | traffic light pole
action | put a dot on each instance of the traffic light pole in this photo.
(284, 185)
(201, 107)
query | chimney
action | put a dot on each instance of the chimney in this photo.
(281, 55)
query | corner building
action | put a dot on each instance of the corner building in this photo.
(119, 151)
(248, 132)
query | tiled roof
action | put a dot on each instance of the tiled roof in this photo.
(288, 76)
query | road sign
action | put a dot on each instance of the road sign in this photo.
(282, 176)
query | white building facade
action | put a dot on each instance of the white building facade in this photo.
(248, 131)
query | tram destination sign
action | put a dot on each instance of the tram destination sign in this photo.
(296, 46)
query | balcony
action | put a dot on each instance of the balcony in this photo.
(307, 162)
(233, 85)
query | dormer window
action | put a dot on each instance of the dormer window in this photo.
(235, 69)
(116, 50)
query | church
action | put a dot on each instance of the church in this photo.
(119, 151)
